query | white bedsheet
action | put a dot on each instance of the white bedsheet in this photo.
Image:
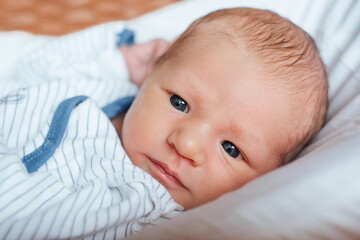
(315, 197)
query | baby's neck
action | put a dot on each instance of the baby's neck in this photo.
(118, 122)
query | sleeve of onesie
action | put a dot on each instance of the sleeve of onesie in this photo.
(40, 206)
(85, 60)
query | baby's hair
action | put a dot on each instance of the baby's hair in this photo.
(285, 52)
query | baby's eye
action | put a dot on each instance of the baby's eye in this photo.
(179, 103)
(231, 149)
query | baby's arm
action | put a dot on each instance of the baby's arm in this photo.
(40, 206)
(90, 54)
(140, 58)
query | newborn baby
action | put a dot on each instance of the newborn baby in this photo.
(237, 95)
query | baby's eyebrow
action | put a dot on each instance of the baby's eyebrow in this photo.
(189, 83)
(237, 129)
(194, 90)
(245, 138)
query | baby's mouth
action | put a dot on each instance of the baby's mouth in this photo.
(165, 175)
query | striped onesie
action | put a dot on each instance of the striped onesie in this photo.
(63, 171)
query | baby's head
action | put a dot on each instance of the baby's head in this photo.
(238, 94)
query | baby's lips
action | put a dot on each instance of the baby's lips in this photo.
(171, 174)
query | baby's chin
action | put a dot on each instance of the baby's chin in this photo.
(188, 201)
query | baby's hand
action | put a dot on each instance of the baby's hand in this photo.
(140, 58)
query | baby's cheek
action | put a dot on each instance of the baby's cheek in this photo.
(226, 178)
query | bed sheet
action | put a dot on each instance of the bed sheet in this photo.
(315, 197)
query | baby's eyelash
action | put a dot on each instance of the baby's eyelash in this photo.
(179, 103)
(231, 150)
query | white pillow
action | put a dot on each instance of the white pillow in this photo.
(318, 195)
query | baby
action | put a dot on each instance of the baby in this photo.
(237, 95)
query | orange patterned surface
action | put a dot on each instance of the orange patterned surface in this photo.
(57, 17)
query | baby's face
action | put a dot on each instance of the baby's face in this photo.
(204, 125)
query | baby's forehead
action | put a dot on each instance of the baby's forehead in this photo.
(237, 101)
(281, 55)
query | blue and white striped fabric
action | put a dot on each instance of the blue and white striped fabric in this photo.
(83, 186)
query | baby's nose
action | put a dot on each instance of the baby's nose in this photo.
(190, 142)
